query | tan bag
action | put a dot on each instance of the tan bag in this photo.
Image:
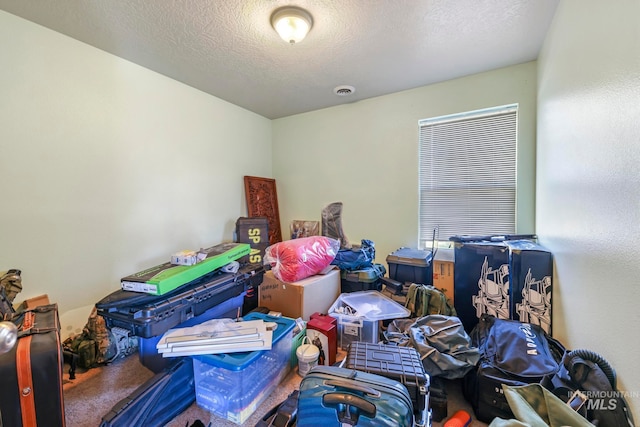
(535, 406)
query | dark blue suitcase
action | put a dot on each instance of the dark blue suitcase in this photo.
(157, 401)
(332, 396)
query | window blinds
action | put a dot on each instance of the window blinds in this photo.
(467, 173)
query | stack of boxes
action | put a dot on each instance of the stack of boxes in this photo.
(510, 279)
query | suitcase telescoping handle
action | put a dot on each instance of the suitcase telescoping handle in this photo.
(345, 403)
(352, 385)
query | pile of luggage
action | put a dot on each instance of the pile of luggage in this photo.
(503, 357)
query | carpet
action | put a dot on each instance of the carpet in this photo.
(94, 393)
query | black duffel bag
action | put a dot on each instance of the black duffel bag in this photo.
(588, 383)
(512, 353)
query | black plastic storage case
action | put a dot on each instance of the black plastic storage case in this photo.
(367, 279)
(411, 265)
(402, 364)
(151, 315)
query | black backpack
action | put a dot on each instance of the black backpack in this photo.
(588, 382)
(512, 353)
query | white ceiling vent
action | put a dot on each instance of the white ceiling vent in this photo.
(344, 90)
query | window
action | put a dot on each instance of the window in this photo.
(467, 175)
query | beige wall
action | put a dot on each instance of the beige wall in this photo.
(588, 180)
(107, 168)
(365, 154)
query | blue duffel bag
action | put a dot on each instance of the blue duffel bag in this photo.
(357, 258)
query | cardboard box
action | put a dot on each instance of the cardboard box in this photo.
(509, 279)
(302, 298)
(481, 281)
(166, 277)
(185, 257)
(531, 272)
(34, 302)
(443, 266)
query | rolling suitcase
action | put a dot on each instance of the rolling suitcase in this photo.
(402, 364)
(31, 393)
(332, 396)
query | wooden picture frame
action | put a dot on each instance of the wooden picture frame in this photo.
(262, 200)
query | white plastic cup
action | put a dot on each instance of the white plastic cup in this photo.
(307, 357)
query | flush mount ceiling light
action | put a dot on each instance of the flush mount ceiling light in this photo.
(291, 23)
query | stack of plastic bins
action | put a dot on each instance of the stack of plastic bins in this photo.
(233, 385)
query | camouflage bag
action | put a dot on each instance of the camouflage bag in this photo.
(10, 286)
(423, 300)
(11, 283)
(96, 344)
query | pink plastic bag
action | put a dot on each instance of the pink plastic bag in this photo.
(297, 259)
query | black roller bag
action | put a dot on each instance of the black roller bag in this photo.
(157, 401)
(511, 353)
(31, 393)
(337, 397)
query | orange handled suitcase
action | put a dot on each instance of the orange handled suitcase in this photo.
(31, 372)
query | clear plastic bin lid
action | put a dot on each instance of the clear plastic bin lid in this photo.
(372, 305)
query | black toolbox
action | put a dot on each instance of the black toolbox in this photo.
(411, 265)
(148, 315)
(366, 279)
(402, 364)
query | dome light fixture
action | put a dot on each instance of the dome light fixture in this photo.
(291, 23)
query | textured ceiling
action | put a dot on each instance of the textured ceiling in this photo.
(229, 49)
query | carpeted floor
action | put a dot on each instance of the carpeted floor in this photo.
(95, 392)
